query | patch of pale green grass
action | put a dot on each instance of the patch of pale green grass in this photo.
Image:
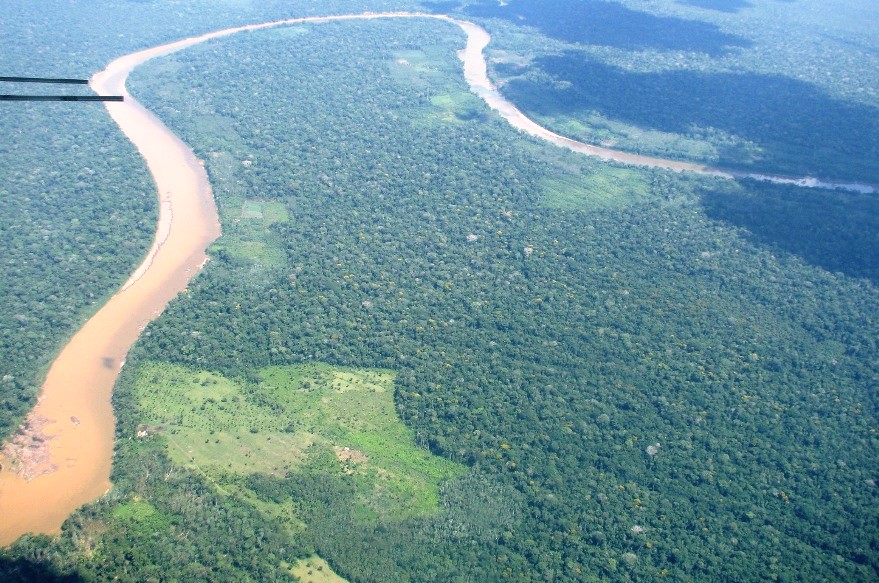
(223, 428)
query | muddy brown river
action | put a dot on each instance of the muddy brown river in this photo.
(61, 460)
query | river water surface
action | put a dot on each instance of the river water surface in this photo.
(74, 410)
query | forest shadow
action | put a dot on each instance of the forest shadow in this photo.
(599, 22)
(801, 129)
(728, 6)
(836, 231)
(25, 571)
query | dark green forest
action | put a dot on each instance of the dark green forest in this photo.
(762, 86)
(77, 211)
(609, 373)
(78, 206)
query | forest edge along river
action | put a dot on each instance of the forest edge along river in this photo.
(60, 458)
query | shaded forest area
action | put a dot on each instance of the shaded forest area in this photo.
(674, 384)
(607, 72)
(800, 130)
(605, 23)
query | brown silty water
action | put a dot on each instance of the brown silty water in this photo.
(62, 460)
(66, 452)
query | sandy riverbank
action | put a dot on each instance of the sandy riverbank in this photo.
(62, 458)
(73, 422)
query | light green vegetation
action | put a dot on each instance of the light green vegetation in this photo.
(139, 512)
(577, 182)
(287, 421)
(432, 70)
(608, 187)
(141, 516)
(455, 107)
(246, 218)
(707, 144)
(264, 212)
(274, 212)
(412, 65)
(315, 570)
(251, 209)
(258, 252)
(225, 174)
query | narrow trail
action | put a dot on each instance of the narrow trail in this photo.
(62, 455)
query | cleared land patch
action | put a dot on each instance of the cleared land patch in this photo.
(606, 187)
(268, 212)
(457, 107)
(429, 68)
(288, 422)
(314, 570)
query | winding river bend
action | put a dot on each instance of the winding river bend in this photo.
(62, 460)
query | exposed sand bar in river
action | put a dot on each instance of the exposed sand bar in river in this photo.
(74, 409)
(74, 405)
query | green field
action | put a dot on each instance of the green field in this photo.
(314, 570)
(266, 212)
(607, 187)
(290, 421)
(456, 107)
(432, 70)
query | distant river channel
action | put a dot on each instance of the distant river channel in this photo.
(62, 455)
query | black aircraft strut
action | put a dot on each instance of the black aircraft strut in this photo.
(54, 97)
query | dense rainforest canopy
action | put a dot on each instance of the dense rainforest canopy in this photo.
(429, 348)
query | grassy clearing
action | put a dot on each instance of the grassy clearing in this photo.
(414, 65)
(314, 570)
(274, 212)
(430, 68)
(352, 410)
(594, 128)
(246, 234)
(257, 252)
(238, 451)
(266, 212)
(135, 511)
(457, 107)
(209, 422)
(573, 181)
(224, 429)
(608, 186)
(509, 58)
(251, 209)
(141, 517)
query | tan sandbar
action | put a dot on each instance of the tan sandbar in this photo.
(74, 420)
(74, 410)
